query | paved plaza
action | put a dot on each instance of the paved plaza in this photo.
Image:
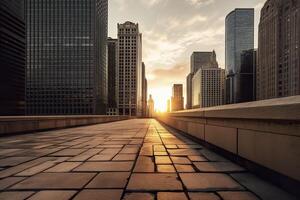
(136, 159)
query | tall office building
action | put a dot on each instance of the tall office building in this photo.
(66, 57)
(130, 69)
(208, 87)
(12, 57)
(239, 36)
(113, 77)
(150, 106)
(278, 70)
(177, 99)
(168, 105)
(144, 90)
(198, 61)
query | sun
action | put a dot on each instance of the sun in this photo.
(160, 97)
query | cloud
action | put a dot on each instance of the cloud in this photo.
(152, 2)
(200, 2)
(195, 19)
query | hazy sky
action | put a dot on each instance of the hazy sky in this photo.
(172, 30)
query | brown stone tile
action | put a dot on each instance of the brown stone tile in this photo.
(209, 182)
(36, 169)
(162, 160)
(129, 150)
(237, 196)
(13, 161)
(154, 182)
(99, 195)
(15, 195)
(144, 164)
(183, 152)
(125, 157)
(53, 195)
(189, 146)
(184, 168)
(160, 153)
(138, 196)
(160, 148)
(171, 196)
(9, 181)
(64, 167)
(166, 168)
(85, 155)
(180, 160)
(203, 196)
(105, 167)
(197, 158)
(218, 167)
(68, 152)
(55, 181)
(102, 157)
(171, 146)
(111, 180)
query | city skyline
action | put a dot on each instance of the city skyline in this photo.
(170, 39)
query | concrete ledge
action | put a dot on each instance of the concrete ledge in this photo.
(15, 125)
(266, 133)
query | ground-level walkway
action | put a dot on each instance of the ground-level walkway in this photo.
(133, 160)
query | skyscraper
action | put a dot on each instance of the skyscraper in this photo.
(130, 69)
(239, 36)
(199, 60)
(66, 57)
(150, 106)
(208, 87)
(113, 77)
(278, 70)
(12, 57)
(144, 90)
(177, 100)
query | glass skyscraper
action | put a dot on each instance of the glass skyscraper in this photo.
(12, 57)
(66, 57)
(239, 31)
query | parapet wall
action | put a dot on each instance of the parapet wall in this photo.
(14, 125)
(266, 133)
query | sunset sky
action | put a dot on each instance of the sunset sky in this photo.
(172, 30)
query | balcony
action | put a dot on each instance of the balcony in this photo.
(244, 151)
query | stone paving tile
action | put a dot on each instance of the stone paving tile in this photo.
(13, 161)
(184, 168)
(36, 169)
(166, 168)
(171, 196)
(15, 195)
(197, 158)
(99, 195)
(64, 167)
(55, 181)
(102, 157)
(237, 196)
(218, 167)
(162, 160)
(6, 182)
(183, 152)
(125, 157)
(144, 164)
(68, 152)
(139, 196)
(154, 182)
(105, 167)
(180, 160)
(111, 180)
(53, 195)
(209, 182)
(203, 196)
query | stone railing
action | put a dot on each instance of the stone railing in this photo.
(14, 125)
(263, 133)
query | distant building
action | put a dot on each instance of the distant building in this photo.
(150, 110)
(130, 69)
(208, 87)
(113, 77)
(278, 69)
(239, 36)
(199, 60)
(169, 105)
(177, 98)
(66, 57)
(144, 90)
(12, 58)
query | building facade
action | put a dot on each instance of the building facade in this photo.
(113, 77)
(208, 87)
(199, 60)
(239, 36)
(130, 69)
(150, 107)
(12, 57)
(177, 100)
(144, 90)
(278, 70)
(66, 57)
